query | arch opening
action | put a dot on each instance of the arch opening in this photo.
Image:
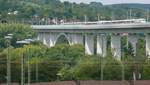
(62, 39)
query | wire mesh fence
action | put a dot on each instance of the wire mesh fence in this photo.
(50, 72)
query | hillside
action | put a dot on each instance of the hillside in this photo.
(54, 8)
(133, 5)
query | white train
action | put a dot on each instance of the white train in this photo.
(123, 21)
(108, 22)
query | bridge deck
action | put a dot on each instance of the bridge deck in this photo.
(98, 26)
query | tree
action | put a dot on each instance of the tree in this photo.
(19, 32)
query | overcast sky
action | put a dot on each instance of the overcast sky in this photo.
(111, 1)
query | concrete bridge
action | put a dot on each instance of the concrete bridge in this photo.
(84, 34)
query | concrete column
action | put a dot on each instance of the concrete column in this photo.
(133, 39)
(46, 39)
(76, 39)
(52, 39)
(148, 45)
(42, 38)
(101, 45)
(89, 44)
(116, 46)
(39, 37)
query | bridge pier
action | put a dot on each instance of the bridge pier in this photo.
(102, 45)
(148, 45)
(89, 44)
(43, 37)
(133, 40)
(39, 37)
(46, 39)
(116, 46)
(52, 39)
(76, 39)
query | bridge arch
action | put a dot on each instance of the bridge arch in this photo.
(65, 35)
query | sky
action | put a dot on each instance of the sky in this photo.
(111, 1)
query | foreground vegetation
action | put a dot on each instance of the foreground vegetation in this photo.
(64, 62)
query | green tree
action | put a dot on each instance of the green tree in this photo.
(19, 32)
